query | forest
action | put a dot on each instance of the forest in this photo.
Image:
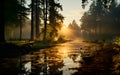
(42, 15)
(43, 19)
(101, 23)
(33, 33)
(28, 21)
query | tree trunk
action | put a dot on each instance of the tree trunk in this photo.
(2, 24)
(20, 28)
(21, 21)
(45, 19)
(32, 20)
(37, 19)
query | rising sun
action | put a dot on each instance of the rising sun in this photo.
(64, 30)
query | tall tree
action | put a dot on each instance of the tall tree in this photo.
(32, 19)
(2, 38)
(21, 2)
(55, 18)
(115, 14)
(38, 10)
(105, 3)
(22, 14)
(45, 11)
(101, 22)
(10, 11)
(91, 20)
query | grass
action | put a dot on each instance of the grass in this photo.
(16, 48)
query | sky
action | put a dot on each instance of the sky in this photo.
(72, 10)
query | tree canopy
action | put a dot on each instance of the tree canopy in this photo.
(105, 3)
(13, 9)
(99, 23)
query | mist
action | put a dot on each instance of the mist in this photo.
(14, 32)
(71, 32)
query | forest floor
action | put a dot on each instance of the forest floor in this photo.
(17, 48)
(105, 61)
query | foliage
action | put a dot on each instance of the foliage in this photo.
(98, 23)
(75, 29)
(116, 41)
(37, 16)
(15, 14)
(45, 14)
(13, 10)
(55, 18)
(105, 3)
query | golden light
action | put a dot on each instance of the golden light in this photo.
(65, 30)
(55, 38)
(63, 52)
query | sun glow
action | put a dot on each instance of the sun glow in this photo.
(65, 30)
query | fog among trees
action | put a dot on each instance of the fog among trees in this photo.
(101, 23)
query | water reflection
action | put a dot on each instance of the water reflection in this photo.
(71, 58)
(63, 59)
(60, 60)
(26, 69)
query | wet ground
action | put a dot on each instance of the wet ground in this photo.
(71, 58)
